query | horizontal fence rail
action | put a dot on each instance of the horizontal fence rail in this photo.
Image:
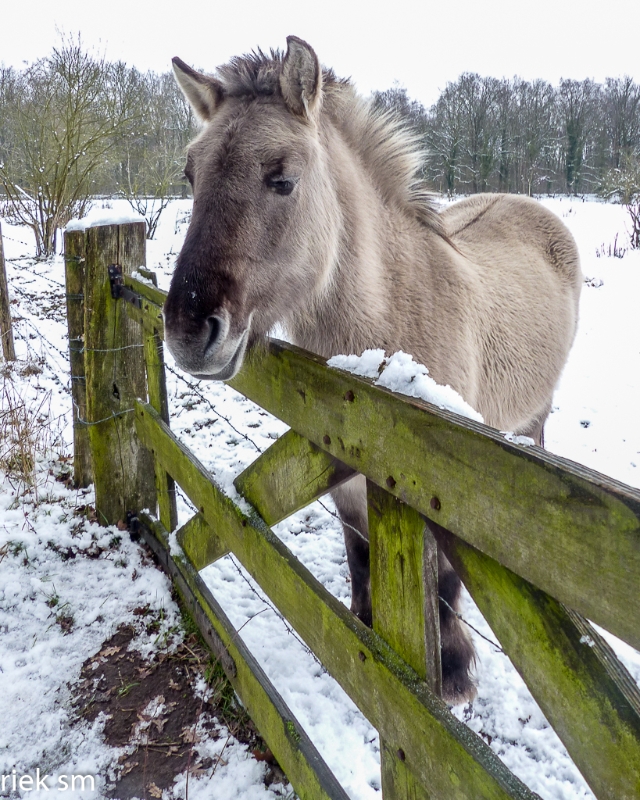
(563, 527)
(541, 543)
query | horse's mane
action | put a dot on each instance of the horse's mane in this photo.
(383, 140)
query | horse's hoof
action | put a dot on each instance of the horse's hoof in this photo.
(458, 688)
(364, 615)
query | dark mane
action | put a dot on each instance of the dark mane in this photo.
(256, 74)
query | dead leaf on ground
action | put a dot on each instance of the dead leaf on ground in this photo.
(190, 735)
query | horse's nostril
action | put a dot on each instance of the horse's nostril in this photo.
(213, 324)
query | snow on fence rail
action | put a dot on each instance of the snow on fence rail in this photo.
(540, 542)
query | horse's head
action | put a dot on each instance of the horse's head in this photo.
(262, 236)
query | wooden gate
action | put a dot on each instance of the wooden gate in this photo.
(540, 542)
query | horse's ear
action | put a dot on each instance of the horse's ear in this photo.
(301, 78)
(203, 92)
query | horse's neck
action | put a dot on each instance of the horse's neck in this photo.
(383, 257)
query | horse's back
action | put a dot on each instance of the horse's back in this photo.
(524, 265)
(481, 224)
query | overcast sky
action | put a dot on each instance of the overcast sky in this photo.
(421, 45)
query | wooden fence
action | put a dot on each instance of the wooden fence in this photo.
(6, 329)
(541, 543)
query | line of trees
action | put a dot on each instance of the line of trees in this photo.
(74, 125)
(485, 134)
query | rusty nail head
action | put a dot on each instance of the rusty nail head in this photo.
(362, 656)
(326, 439)
(350, 396)
(391, 481)
(435, 504)
(401, 755)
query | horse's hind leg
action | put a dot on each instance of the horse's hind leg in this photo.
(458, 654)
(456, 648)
(351, 502)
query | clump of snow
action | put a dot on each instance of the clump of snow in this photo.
(138, 276)
(400, 373)
(102, 217)
(525, 441)
(368, 364)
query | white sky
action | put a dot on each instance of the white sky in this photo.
(421, 45)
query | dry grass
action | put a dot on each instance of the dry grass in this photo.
(27, 434)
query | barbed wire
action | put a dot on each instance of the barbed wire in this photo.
(462, 619)
(212, 407)
(102, 350)
(17, 241)
(32, 271)
(275, 610)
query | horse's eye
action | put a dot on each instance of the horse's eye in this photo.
(280, 184)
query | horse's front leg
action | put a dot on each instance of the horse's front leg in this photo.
(351, 502)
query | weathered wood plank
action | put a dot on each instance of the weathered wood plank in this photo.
(157, 389)
(583, 690)
(558, 524)
(6, 328)
(150, 314)
(288, 476)
(74, 282)
(303, 765)
(115, 376)
(150, 293)
(443, 753)
(201, 542)
(404, 584)
(404, 599)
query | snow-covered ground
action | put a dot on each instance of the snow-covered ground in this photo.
(594, 421)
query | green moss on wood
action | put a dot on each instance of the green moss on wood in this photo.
(74, 282)
(201, 542)
(574, 676)
(442, 752)
(295, 753)
(288, 476)
(115, 376)
(559, 525)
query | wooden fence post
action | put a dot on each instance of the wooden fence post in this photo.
(74, 279)
(123, 469)
(6, 331)
(157, 388)
(405, 604)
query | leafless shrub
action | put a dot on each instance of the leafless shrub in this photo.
(623, 185)
(26, 435)
(613, 251)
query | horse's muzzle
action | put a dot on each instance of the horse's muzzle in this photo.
(212, 349)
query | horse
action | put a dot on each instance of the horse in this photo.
(309, 212)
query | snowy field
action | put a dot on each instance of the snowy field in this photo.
(594, 421)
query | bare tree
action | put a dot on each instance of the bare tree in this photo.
(621, 100)
(445, 140)
(153, 152)
(576, 104)
(61, 121)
